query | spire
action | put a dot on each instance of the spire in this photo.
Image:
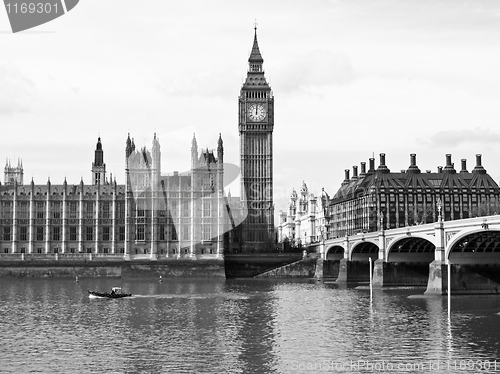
(128, 147)
(99, 154)
(194, 152)
(255, 60)
(255, 56)
(194, 143)
(220, 149)
(156, 143)
(256, 80)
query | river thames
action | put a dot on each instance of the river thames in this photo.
(241, 326)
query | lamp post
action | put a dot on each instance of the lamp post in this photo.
(439, 206)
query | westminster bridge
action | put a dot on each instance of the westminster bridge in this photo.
(418, 256)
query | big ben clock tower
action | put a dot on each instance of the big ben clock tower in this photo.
(255, 124)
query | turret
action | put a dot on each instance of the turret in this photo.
(128, 147)
(220, 149)
(194, 152)
(98, 166)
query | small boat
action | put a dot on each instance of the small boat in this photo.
(116, 293)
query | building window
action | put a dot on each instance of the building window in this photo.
(139, 235)
(73, 210)
(206, 232)
(173, 208)
(105, 210)
(89, 211)
(121, 233)
(39, 233)
(23, 211)
(120, 210)
(72, 233)
(186, 209)
(141, 212)
(56, 233)
(206, 208)
(106, 250)
(56, 209)
(39, 250)
(23, 233)
(161, 230)
(185, 233)
(105, 233)
(40, 210)
(89, 234)
(6, 234)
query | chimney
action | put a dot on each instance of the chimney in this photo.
(382, 167)
(479, 168)
(372, 166)
(363, 168)
(354, 172)
(464, 166)
(346, 177)
(449, 168)
(413, 164)
(440, 169)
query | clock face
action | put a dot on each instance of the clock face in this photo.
(256, 112)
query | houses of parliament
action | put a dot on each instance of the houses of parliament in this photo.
(180, 215)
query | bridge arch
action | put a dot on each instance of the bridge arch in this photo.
(411, 248)
(363, 250)
(474, 246)
(335, 252)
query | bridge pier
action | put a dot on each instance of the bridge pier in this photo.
(400, 273)
(353, 271)
(438, 278)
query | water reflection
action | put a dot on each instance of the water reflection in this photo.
(234, 326)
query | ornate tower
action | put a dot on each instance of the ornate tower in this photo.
(13, 174)
(256, 122)
(98, 166)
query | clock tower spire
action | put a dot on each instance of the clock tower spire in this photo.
(256, 123)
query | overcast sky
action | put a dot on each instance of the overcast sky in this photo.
(350, 79)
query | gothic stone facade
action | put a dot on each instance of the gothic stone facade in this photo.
(151, 216)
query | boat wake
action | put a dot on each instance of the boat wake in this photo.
(194, 296)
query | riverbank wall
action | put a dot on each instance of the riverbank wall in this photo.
(249, 265)
(135, 269)
(303, 268)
